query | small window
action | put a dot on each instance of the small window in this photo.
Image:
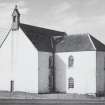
(70, 61)
(70, 83)
(14, 18)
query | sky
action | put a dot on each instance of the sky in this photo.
(71, 16)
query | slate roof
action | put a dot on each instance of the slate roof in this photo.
(50, 40)
(79, 42)
(41, 37)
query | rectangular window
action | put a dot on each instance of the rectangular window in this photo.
(70, 61)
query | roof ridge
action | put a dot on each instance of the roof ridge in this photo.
(43, 28)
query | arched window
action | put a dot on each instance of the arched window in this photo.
(70, 61)
(70, 82)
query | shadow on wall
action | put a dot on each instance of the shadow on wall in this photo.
(100, 94)
(60, 75)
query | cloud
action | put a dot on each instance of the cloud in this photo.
(70, 13)
(79, 8)
(21, 3)
(87, 8)
(61, 7)
(22, 8)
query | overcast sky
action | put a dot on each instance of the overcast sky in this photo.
(71, 16)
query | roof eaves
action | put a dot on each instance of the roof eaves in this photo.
(5, 37)
(99, 45)
(92, 42)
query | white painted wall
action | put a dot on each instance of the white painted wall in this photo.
(24, 68)
(5, 67)
(83, 72)
(60, 72)
(100, 72)
(43, 72)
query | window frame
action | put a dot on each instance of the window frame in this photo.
(70, 61)
(70, 83)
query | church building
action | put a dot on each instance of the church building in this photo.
(40, 60)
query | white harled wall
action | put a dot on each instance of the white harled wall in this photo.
(25, 64)
(19, 62)
(83, 72)
(60, 72)
(43, 71)
(5, 65)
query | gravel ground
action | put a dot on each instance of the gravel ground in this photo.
(22, 98)
(50, 102)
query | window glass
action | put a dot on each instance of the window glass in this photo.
(70, 82)
(70, 61)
